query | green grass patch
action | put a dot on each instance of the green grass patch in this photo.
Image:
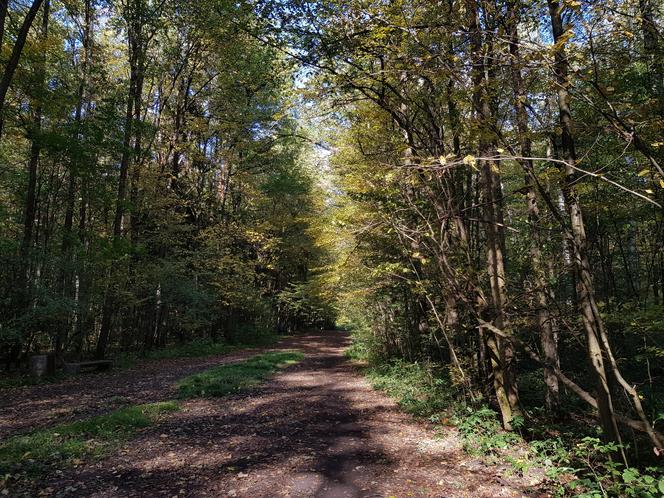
(67, 443)
(194, 349)
(236, 377)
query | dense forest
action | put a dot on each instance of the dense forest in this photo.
(474, 187)
(154, 188)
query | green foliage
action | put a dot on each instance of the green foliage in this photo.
(358, 351)
(481, 431)
(63, 444)
(215, 242)
(417, 388)
(235, 377)
(592, 470)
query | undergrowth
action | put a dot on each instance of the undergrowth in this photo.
(576, 465)
(235, 377)
(8, 381)
(414, 387)
(195, 349)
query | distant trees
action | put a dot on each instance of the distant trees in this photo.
(497, 198)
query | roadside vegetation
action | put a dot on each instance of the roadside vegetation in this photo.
(24, 458)
(576, 463)
(194, 349)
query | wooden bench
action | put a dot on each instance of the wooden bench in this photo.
(76, 368)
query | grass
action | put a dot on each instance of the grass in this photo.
(194, 349)
(235, 377)
(197, 349)
(68, 443)
(29, 457)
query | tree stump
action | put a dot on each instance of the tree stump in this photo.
(42, 365)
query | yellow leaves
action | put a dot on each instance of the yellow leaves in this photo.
(500, 151)
(419, 256)
(644, 172)
(470, 160)
(444, 159)
(657, 145)
(661, 183)
(649, 191)
(563, 39)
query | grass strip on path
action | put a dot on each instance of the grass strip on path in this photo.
(37, 454)
(236, 377)
(67, 443)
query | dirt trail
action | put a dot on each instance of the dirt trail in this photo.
(316, 429)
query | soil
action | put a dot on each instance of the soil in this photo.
(316, 429)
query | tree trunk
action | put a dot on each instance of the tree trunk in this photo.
(592, 321)
(500, 349)
(109, 305)
(543, 293)
(30, 214)
(3, 18)
(17, 50)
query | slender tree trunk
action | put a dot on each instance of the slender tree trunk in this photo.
(137, 46)
(3, 18)
(543, 293)
(651, 45)
(501, 349)
(108, 308)
(17, 50)
(592, 321)
(31, 194)
(68, 273)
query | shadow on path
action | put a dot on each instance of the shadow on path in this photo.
(316, 429)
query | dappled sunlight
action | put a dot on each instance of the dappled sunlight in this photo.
(316, 429)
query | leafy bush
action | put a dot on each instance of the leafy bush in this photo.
(482, 433)
(415, 386)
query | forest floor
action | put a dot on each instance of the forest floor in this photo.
(316, 429)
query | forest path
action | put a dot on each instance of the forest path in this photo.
(316, 429)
